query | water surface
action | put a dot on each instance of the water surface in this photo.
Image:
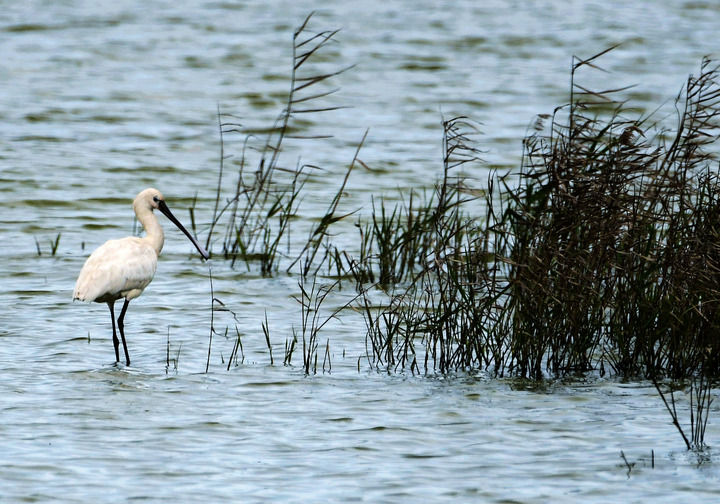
(102, 99)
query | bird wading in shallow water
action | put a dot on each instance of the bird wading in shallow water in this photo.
(123, 268)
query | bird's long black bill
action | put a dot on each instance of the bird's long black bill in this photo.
(167, 213)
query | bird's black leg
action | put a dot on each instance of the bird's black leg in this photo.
(121, 325)
(111, 305)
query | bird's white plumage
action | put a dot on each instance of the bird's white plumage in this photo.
(118, 269)
(123, 268)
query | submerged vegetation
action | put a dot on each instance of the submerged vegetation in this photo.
(52, 245)
(600, 254)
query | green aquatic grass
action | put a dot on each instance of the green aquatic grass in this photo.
(598, 254)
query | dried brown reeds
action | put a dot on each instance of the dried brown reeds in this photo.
(601, 252)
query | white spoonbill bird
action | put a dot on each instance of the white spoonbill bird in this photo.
(123, 268)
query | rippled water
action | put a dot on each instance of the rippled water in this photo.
(101, 99)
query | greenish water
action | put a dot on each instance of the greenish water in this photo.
(100, 100)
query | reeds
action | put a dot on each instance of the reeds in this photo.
(256, 216)
(423, 255)
(53, 245)
(601, 252)
(699, 410)
(613, 242)
(168, 360)
(311, 322)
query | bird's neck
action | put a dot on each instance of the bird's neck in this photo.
(153, 230)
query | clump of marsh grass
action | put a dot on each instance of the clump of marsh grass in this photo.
(612, 246)
(311, 299)
(440, 255)
(603, 251)
(290, 346)
(397, 243)
(218, 306)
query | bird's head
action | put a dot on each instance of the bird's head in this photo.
(151, 199)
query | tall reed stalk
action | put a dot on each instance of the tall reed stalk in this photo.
(256, 216)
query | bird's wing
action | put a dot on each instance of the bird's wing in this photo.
(116, 268)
